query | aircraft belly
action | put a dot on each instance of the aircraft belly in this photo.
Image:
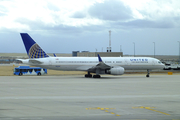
(68, 67)
(138, 67)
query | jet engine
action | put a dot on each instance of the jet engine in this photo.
(115, 71)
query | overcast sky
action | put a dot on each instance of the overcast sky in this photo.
(63, 26)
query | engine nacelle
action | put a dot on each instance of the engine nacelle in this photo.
(116, 71)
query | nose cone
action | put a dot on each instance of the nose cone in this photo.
(162, 66)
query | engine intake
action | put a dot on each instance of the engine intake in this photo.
(115, 71)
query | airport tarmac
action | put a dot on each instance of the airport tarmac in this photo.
(126, 97)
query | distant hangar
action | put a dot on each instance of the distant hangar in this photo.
(95, 54)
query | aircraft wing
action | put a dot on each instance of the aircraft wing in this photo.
(100, 66)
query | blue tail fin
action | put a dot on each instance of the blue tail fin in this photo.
(32, 48)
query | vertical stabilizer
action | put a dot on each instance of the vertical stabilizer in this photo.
(32, 48)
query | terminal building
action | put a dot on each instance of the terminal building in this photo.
(95, 54)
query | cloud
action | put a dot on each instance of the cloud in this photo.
(2, 14)
(55, 14)
(79, 15)
(86, 23)
(141, 23)
(63, 30)
(52, 6)
(111, 10)
(3, 10)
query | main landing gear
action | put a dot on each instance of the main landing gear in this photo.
(96, 76)
(148, 72)
(90, 76)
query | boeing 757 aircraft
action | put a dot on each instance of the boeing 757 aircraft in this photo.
(97, 65)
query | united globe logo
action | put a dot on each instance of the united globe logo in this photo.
(36, 52)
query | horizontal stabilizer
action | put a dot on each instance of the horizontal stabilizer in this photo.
(35, 61)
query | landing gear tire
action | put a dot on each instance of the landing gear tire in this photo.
(147, 73)
(96, 76)
(88, 76)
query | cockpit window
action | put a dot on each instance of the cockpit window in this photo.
(159, 62)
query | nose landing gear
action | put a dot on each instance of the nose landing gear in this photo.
(148, 72)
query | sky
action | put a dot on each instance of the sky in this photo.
(63, 26)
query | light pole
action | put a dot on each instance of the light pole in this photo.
(179, 51)
(134, 48)
(154, 49)
(120, 48)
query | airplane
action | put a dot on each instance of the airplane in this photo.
(105, 65)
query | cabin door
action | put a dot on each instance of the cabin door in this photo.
(50, 62)
(153, 62)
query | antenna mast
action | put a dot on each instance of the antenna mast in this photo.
(109, 40)
(109, 48)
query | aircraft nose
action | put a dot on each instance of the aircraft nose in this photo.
(162, 66)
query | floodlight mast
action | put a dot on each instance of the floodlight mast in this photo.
(134, 49)
(154, 49)
(109, 40)
(109, 48)
(179, 51)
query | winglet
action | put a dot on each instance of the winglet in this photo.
(100, 60)
(54, 55)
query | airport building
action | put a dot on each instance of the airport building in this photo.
(102, 54)
(7, 59)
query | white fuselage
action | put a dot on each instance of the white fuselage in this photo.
(84, 63)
